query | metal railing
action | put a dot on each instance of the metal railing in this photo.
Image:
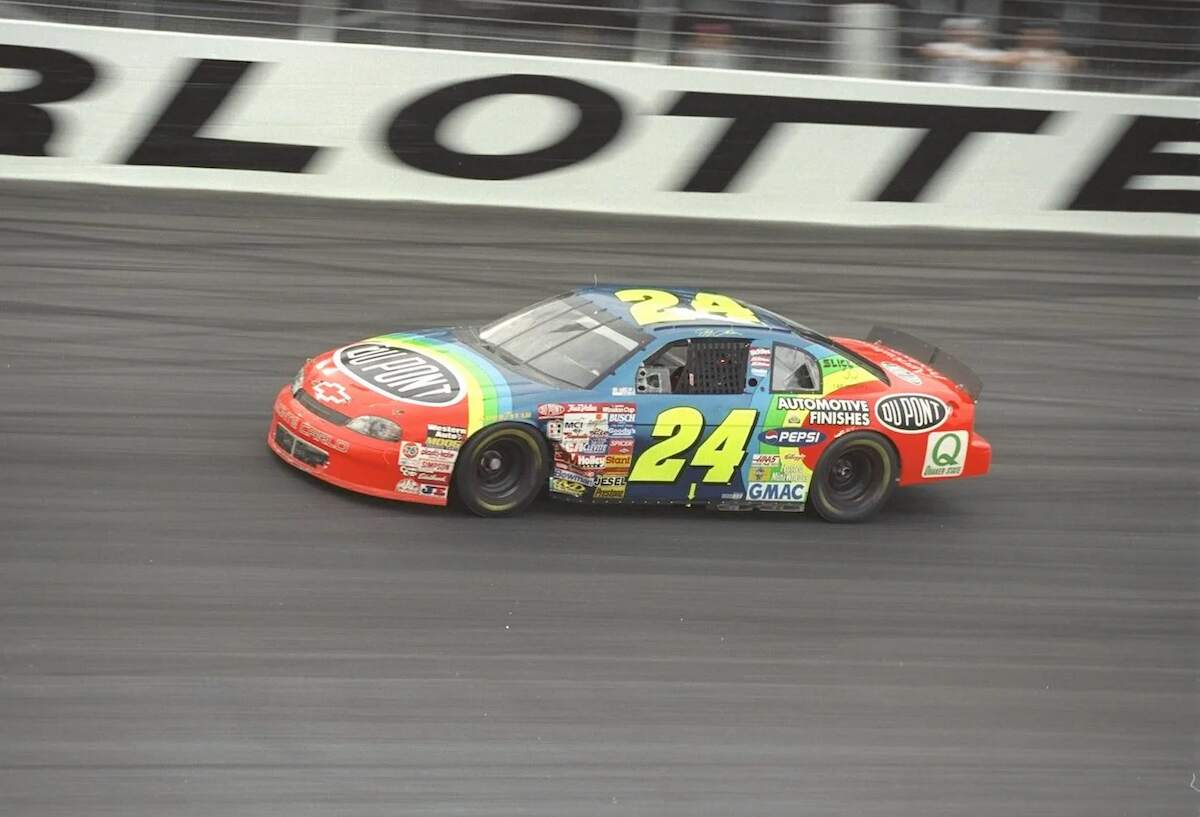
(1096, 45)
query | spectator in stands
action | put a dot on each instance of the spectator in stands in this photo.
(710, 46)
(963, 57)
(1038, 61)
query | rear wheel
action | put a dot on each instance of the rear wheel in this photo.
(854, 478)
(501, 470)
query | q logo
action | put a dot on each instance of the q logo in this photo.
(945, 454)
(946, 450)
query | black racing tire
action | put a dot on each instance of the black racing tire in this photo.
(502, 469)
(855, 477)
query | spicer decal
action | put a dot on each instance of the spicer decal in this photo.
(401, 374)
(791, 437)
(823, 411)
(911, 413)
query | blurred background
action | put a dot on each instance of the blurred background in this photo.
(1128, 46)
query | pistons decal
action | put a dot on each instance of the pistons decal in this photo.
(401, 373)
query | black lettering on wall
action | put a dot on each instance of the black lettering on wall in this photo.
(172, 140)
(946, 128)
(25, 128)
(1133, 155)
(412, 136)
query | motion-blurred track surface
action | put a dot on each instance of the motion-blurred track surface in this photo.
(191, 628)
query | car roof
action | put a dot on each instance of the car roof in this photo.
(606, 298)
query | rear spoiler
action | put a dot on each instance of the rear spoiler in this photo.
(941, 361)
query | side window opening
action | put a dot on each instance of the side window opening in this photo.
(794, 370)
(700, 366)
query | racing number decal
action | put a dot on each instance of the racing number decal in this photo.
(656, 306)
(722, 453)
(680, 427)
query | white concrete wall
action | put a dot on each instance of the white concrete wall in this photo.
(341, 100)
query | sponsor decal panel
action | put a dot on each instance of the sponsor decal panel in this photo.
(567, 486)
(443, 436)
(911, 378)
(945, 454)
(825, 411)
(911, 413)
(401, 373)
(836, 363)
(792, 437)
(573, 475)
(593, 446)
(776, 491)
(609, 486)
(760, 361)
(416, 458)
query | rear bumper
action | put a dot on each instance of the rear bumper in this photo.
(342, 458)
(979, 457)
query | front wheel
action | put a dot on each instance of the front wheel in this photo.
(501, 470)
(854, 478)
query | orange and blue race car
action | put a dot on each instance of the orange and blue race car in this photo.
(634, 396)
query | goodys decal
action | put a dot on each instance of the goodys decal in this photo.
(401, 374)
(911, 413)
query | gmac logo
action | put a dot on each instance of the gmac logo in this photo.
(911, 413)
(400, 373)
(776, 491)
(791, 437)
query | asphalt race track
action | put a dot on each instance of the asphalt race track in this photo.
(189, 627)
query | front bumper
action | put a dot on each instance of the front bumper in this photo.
(343, 458)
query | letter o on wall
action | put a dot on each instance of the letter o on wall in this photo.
(412, 136)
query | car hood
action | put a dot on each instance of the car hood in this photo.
(416, 379)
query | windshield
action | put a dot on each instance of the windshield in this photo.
(568, 338)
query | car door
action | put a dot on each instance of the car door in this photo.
(695, 419)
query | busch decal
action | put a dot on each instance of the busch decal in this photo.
(401, 373)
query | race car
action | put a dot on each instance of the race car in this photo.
(623, 395)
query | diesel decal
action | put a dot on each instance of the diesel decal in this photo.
(401, 374)
(823, 411)
(911, 413)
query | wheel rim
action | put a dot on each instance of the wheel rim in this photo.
(853, 476)
(499, 468)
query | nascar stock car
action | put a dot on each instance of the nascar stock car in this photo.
(630, 395)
